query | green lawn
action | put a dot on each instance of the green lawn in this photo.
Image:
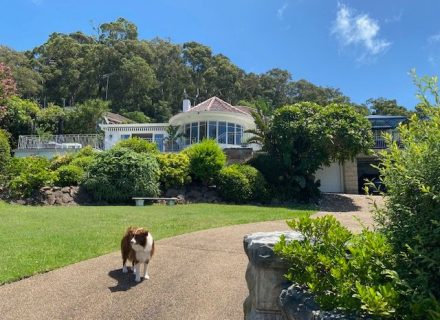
(38, 239)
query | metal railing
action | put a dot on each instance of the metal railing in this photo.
(67, 141)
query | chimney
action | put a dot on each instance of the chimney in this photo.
(186, 105)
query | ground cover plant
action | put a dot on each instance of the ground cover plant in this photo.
(353, 273)
(37, 239)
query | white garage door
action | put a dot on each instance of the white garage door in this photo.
(330, 177)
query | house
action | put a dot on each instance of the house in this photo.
(213, 118)
(219, 120)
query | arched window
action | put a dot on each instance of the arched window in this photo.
(221, 131)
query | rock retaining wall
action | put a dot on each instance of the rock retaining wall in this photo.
(271, 296)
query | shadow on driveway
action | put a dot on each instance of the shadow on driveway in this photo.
(125, 280)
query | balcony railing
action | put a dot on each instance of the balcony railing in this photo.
(67, 141)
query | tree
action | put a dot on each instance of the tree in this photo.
(382, 106)
(120, 29)
(84, 117)
(19, 117)
(302, 137)
(411, 216)
(51, 119)
(28, 79)
(303, 90)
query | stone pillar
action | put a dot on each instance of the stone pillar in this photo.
(351, 177)
(265, 275)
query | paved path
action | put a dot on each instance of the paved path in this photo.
(199, 275)
(193, 276)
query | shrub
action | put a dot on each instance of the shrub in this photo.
(256, 180)
(138, 145)
(82, 162)
(28, 175)
(5, 150)
(411, 217)
(174, 170)
(206, 160)
(60, 160)
(87, 151)
(233, 185)
(118, 174)
(352, 273)
(241, 183)
(69, 175)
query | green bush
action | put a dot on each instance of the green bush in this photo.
(138, 145)
(351, 273)
(411, 217)
(174, 170)
(83, 162)
(233, 185)
(28, 175)
(60, 160)
(118, 174)
(87, 151)
(69, 175)
(5, 151)
(241, 183)
(206, 160)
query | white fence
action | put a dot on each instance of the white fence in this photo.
(66, 141)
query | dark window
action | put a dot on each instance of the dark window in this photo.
(202, 133)
(239, 134)
(187, 133)
(212, 130)
(194, 132)
(231, 133)
(222, 132)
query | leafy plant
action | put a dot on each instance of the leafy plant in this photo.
(27, 175)
(138, 145)
(69, 175)
(174, 170)
(353, 273)
(118, 174)
(206, 160)
(233, 185)
(5, 151)
(411, 216)
(242, 183)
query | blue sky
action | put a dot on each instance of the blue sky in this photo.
(365, 48)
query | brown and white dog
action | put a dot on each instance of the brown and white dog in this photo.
(137, 246)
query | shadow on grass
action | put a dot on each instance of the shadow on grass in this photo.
(125, 280)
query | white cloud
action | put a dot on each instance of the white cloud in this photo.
(37, 2)
(280, 11)
(358, 31)
(435, 38)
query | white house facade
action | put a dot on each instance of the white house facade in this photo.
(213, 118)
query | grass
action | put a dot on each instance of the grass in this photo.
(39, 239)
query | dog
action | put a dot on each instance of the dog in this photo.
(137, 246)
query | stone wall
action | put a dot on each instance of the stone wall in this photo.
(63, 196)
(271, 296)
(350, 177)
(238, 155)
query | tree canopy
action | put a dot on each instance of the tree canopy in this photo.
(147, 76)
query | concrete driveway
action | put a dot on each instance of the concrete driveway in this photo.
(199, 275)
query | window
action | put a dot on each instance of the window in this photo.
(187, 133)
(194, 132)
(202, 130)
(125, 136)
(158, 138)
(231, 133)
(212, 130)
(221, 132)
(239, 134)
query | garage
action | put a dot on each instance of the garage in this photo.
(331, 178)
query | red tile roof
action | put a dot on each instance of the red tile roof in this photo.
(217, 104)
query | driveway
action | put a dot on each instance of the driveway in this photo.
(199, 275)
